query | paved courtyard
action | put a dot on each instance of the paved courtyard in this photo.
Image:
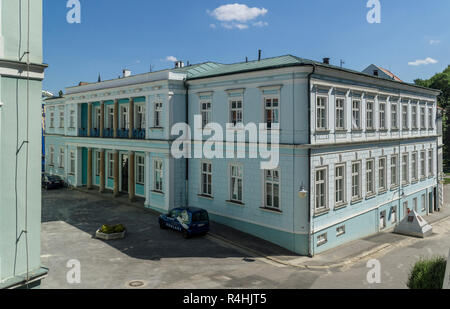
(163, 259)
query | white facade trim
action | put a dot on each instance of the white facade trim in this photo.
(2, 47)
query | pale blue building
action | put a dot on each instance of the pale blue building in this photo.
(356, 150)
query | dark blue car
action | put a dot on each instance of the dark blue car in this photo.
(190, 221)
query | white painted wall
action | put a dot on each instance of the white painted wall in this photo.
(2, 51)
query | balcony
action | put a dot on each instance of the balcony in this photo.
(138, 134)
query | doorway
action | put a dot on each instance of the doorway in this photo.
(124, 173)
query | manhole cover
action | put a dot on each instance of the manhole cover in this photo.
(136, 284)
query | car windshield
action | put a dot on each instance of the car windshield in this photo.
(200, 216)
(53, 178)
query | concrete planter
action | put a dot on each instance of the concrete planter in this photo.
(114, 236)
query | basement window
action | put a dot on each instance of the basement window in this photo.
(322, 239)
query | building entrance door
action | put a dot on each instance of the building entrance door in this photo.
(124, 173)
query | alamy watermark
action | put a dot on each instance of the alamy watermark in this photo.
(374, 15)
(74, 14)
(262, 143)
(73, 276)
(374, 274)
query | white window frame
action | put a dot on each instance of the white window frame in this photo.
(61, 157)
(321, 189)
(394, 175)
(340, 231)
(394, 116)
(382, 115)
(356, 185)
(206, 112)
(394, 214)
(110, 117)
(236, 178)
(356, 115)
(322, 113)
(97, 118)
(273, 181)
(98, 161)
(430, 119)
(124, 117)
(430, 163)
(405, 117)
(370, 177)
(370, 112)
(140, 169)
(72, 164)
(423, 165)
(382, 174)
(415, 166)
(72, 119)
(52, 120)
(273, 110)
(424, 202)
(322, 239)
(52, 156)
(158, 108)
(206, 187)
(61, 119)
(110, 165)
(158, 175)
(423, 124)
(405, 169)
(414, 117)
(140, 117)
(340, 113)
(236, 106)
(340, 181)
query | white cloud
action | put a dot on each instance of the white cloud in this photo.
(423, 62)
(212, 26)
(171, 58)
(234, 26)
(237, 12)
(434, 42)
(261, 24)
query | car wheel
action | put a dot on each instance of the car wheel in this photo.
(162, 226)
(185, 234)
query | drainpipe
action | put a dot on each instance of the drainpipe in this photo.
(186, 86)
(310, 253)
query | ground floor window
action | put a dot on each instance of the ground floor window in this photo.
(110, 165)
(61, 157)
(236, 183)
(72, 163)
(52, 156)
(140, 169)
(394, 214)
(424, 202)
(206, 179)
(322, 239)
(272, 189)
(158, 175)
(97, 165)
(321, 188)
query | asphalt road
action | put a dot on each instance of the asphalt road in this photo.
(163, 259)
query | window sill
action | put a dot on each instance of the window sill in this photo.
(405, 184)
(271, 210)
(235, 203)
(157, 192)
(383, 130)
(341, 130)
(357, 200)
(370, 196)
(395, 130)
(357, 130)
(208, 197)
(322, 131)
(383, 191)
(414, 181)
(370, 130)
(340, 206)
(396, 187)
(321, 212)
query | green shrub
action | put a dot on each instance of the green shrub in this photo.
(428, 274)
(111, 229)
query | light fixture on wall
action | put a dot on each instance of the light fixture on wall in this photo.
(302, 193)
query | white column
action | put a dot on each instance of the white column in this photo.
(148, 171)
(2, 52)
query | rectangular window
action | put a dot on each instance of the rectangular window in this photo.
(394, 171)
(110, 118)
(72, 163)
(340, 184)
(158, 109)
(369, 116)
(72, 119)
(405, 119)
(405, 169)
(272, 189)
(394, 117)
(321, 188)
(61, 120)
(158, 176)
(140, 169)
(340, 114)
(414, 167)
(370, 177)
(430, 163)
(382, 116)
(414, 116)
(236, 111)
(424, 202)
(394, 214)
(382, 220)
(236, 183)
(271, 111)
(430, 119)
(52, 156)
(98, 163)
(124, 118)
(321, 113)
(415, 205)
(356, 180)
(356, 115)
(206, 187)
(423, 165)
(205, 110)
(405, 209)
(61, 158)
(382, 174)
(423, 124)
(110, 165)
(340, 231)
(140, 117)
(322, 239)
(97, 118)
(52, 120)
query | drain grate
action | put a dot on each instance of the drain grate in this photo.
(136, 284)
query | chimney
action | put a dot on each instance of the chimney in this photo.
(326, 60)
(179, 64)
(259, 55)
(126, 73)
(375, 72)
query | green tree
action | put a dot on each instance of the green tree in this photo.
(441, 81)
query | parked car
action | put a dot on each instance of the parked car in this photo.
(190, 221)
(52, 182)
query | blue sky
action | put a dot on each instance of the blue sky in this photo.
(134, 34)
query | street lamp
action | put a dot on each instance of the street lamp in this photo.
(302, 193)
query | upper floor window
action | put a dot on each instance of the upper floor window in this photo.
(394, 171)
(321, 113)
(271, 111)
(340, 114)
(405, 169)
(110, 165)
(430, 163)
(321, 188)
(382, 172)
(430, 119)
(236, 111)
(414, 116)
(370, 177)
(124, 119)
(394, 116)
(272, 189)
(140, 169)
(110, 117)
(423, 124)
(356, 180)
(423, 166)
(236, 183)
(52, 156)
(52, 120)
(405, 124)
(61, 119)
(97, 118)
(140, 117)
(72, 119)
(414, 166)
(340, 184)
(72, 163)
(370, 115)
(356, 115)
(157, 119)
(206, 112)
(61, 157)
(382, 116)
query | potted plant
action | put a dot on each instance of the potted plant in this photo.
(111, 232)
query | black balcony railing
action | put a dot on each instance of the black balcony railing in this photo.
(109, 133)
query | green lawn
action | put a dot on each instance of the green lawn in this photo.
(447, 181)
